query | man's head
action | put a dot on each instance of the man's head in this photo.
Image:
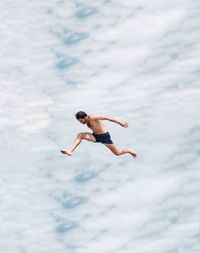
(81, 117)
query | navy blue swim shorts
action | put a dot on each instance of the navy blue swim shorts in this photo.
(103, 138)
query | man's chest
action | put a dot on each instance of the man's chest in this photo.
(92, 124)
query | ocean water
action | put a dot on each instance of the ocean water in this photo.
(137, 61)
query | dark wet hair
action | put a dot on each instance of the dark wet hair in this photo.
(80, 115)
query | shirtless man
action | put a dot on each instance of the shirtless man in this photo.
(100, 134)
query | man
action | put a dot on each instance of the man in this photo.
(100, 134)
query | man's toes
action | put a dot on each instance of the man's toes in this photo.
(133, 154)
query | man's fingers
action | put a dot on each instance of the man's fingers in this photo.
(125, 124)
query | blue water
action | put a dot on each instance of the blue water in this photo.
(133, 60)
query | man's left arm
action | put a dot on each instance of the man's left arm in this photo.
(104, 117)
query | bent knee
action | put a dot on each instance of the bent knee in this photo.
(117, 153)
(80, 135)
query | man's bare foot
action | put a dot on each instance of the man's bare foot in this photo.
(66, 152)
(133, 153)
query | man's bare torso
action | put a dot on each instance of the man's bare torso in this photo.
(96, 125)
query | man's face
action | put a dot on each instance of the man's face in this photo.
(83, 121)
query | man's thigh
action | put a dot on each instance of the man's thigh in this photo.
(112, 147)
(88, 136)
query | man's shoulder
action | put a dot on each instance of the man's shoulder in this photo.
(92, 117)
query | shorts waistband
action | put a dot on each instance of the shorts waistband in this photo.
(106, 133)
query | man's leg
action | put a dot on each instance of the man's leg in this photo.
(118, 152)
(79, 138)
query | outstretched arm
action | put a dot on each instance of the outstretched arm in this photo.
(103, 117)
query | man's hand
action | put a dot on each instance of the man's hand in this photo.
(124, 124)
